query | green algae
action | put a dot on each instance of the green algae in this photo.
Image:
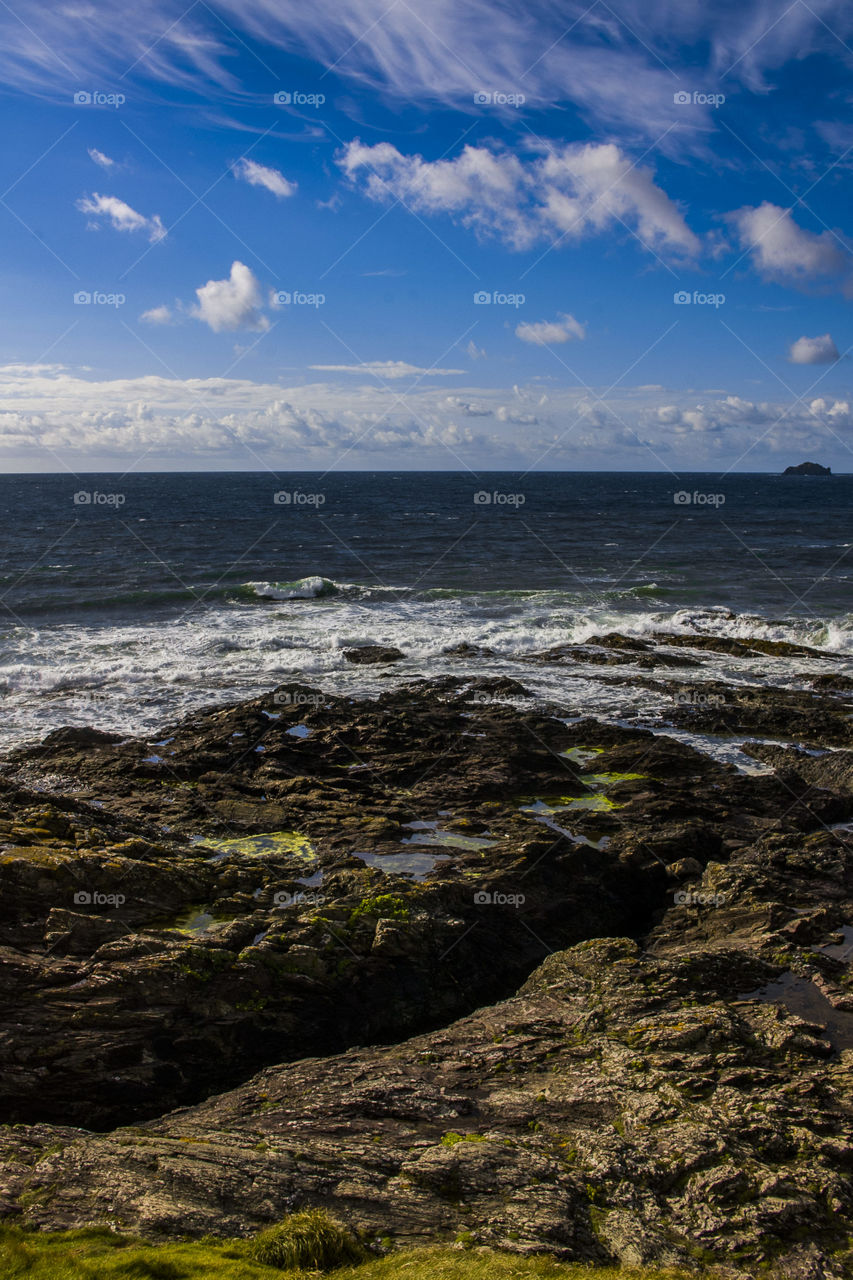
(594, 802)
(385, 906)
(604, 780)
(548, 806)
(194, 921)
(35, 853)
(582, 755)
(288, 843)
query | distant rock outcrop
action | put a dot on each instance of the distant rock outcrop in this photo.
(808, 469)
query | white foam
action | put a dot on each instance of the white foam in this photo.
(137, 678)
(312, 588)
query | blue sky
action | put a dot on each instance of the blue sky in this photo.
(466, 234)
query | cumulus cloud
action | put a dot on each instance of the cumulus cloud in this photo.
(99, 158)
(470, 408)
(259, 175)
(121, 216)
(229, 420)
(157, 315)
(820, 350)
(783, 251)
(548, 332)
(570, 192)
(384, 369)
(234, 303)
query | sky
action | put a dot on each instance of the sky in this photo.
(457, 234)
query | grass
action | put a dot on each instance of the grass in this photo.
(97, 1253)
(310, 1241)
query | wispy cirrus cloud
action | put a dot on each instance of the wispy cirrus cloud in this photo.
(385, 369)
(618, 66)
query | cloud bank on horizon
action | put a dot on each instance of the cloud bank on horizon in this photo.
(308, 223)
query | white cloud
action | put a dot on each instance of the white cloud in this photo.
(566, 194)
(614, 63)
(614, 66)
(783, 251)
(470, 408)
(157, 315)
(231, 304)
(821, 350)
(384, 369)
(548, 332)
(261, 176)
(99, 158)
(121, 216)
(228, 421)
(474, 352)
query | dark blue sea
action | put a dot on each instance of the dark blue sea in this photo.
(125, 601)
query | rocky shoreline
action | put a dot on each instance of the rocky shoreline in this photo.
(408, 957)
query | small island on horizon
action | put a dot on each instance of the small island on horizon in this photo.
(808, 469)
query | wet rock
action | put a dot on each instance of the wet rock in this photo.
(191, 923)
(373, 653)
(620, 1107)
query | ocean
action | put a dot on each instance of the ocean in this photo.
(129, 601)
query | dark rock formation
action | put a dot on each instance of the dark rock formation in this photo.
(191, 922)
(807, 469)
(373, 653)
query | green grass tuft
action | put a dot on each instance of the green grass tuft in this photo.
(307, 1241)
